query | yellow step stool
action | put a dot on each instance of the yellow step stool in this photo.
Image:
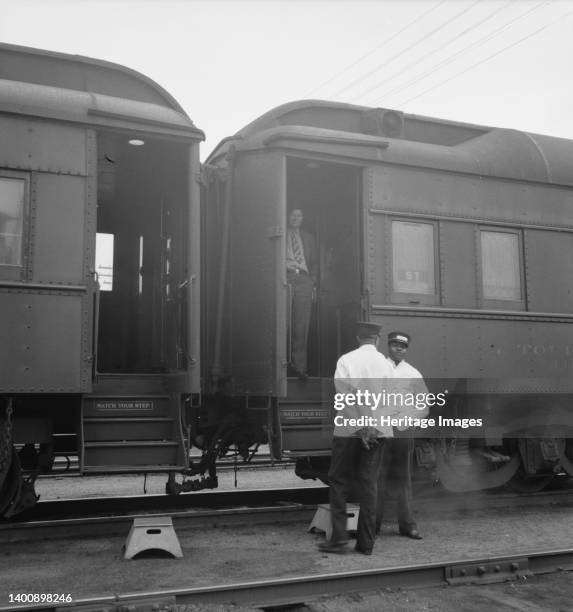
(322, 520)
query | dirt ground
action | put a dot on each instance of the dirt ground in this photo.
(91, 567)
(549, 593)
(95, 566)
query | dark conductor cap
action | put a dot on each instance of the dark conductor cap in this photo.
(365, 329)
(397, 336)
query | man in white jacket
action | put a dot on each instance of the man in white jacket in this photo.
(358, 439)
(398, 452)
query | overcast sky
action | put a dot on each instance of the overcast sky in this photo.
(504, 63)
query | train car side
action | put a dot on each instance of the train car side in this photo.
(458, 234)
(101, 352)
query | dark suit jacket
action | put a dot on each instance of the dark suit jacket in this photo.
(310, 254)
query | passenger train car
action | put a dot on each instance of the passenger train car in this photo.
(99, 360)
(144, 298)
(460, 235)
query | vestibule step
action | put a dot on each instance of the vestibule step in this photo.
(100, 429)
(130, 453)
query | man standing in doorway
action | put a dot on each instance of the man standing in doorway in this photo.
(302, 265)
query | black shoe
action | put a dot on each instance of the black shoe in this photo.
(338, 548)
(364, 551)
(411, 533)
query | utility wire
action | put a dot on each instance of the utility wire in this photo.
(382, 44)
(451, 58)
(408, 48)
(432, 52)
(517, 42)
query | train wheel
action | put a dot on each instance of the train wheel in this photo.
(11, 486)
(539, 458)
(17, 493)
(521, 482)
(464, 470)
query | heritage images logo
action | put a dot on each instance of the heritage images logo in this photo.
(401, 410)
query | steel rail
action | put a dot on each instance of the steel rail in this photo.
(114, 516)
(302, 589)
(89, 517)
(215, 499)
(428, 501)
(109, 526)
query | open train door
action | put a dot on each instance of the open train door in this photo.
(257, 287)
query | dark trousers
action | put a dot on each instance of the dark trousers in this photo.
(300, 310)
(395, 473)
(354, 468)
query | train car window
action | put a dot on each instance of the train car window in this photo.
(104, 261)
(501, 267)
(12, 206)
(413, 262)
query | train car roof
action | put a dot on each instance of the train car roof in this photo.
(74, 87)
(357, 132)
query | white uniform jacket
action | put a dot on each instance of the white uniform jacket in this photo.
(361, 376)
(411, 382)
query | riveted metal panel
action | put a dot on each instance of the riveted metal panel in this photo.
(483, 345)
(457, 265)
(90, 205)
(549, 259)
(549, 347)
(488, 199)
(428, 348)
(42, 345)
(498, 349)
(59, 214)
(258, 274)
(42, 147)
(375, 236)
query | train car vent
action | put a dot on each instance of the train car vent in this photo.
(383, 122)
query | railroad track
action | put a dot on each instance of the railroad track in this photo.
(404, 573)
(303, 589)
(428, 499)
(114, 515)
(111, 516)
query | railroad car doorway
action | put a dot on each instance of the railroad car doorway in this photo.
(139, 254)
(330, 196)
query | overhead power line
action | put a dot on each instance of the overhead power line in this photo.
(463, 51)
(408, 48)
(382, 44)
(459, 35)
(486, 59)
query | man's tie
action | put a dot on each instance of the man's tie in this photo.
(297, 248)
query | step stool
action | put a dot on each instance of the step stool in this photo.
(322, 520)
(152, 533)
